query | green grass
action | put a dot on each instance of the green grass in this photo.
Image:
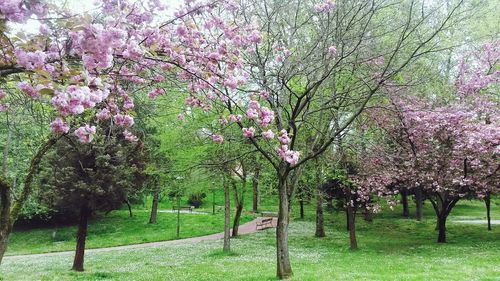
(390, 248)
(115, 229)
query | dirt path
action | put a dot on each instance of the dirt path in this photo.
(247, 228)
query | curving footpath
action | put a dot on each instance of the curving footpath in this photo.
(247, 228)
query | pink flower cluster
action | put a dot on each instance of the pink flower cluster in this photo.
(58, 126)
(85, 134)
(284, 152)
(324, 7)
(21, 10)
(261, 114)
(75, 99)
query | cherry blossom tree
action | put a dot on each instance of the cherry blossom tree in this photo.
(91, 64)
(313, 68)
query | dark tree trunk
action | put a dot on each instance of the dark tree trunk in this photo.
(442, 229)
(129, 208)
(320, 221)
(5, 220)
(404, 202)
(154, 207)
(352, 228)
(227, 217)
(301, 202)
(487, 201)
(80, 238)
(4, 240)
(239, 200)
(346, 219)
(236, 221)
(351, 222)
(255, 187)
(367, 215)
(284, 268)
(419, 198)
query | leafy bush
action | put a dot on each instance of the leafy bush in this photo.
(196, 199)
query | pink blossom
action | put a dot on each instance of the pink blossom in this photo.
(255, 37)
(28, 89)
(124, 120)
(129, 136)
(104, 114)
(248, 132)
(268, 134)
(332, 51)
(292, 157)
(58, 126)
(235, 118)
(264, 94)
(85, 134)
(218, 139)
(181, 117)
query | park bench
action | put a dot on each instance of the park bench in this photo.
(264, 223)
(183, 208)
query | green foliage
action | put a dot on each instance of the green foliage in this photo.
(100, 176)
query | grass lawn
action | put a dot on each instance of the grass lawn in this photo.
(391, 248)
(115, 229)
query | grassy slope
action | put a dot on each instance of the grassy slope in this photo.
(391, 248)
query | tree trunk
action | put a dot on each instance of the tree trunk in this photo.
(80, 238)
(419, 203)
(239, 200)
(236, 221)
(320, 222)
(129, 208)
(367, 215)
(352, 227)
(404, 202)
(227, 217)
(154, 207)
(255, 187)
(284, 268)
(487, 201)
(4, 239)
(442, 229)
(5, 220)
(301, 202)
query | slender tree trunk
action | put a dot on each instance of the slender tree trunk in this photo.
(367, 215)
(404, 202)
(487, 201)
(284, 268)
(346, 218)
(129, 208)
(419, 198)
(154, 207)
(236, 221)
(301, 202)
(5, 224)
(320, 222)
(178, 217)
(351, 222)
(227, 217)
(255, 187)
(239, 200)
(80, 238)
(442, 229)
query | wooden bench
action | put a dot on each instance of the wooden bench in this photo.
(264, 223)
(183, 208)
